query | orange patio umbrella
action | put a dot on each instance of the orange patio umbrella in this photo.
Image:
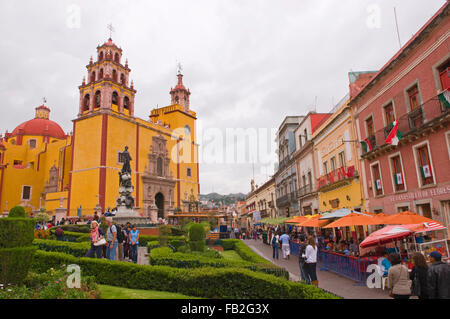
(296, 220)
(354, 219)
(405, 218)
(314, 222)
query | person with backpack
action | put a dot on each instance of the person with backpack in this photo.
(275, 245)
(111, 236)
(120, 240)
(134, 243)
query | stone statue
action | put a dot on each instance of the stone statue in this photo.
(126, 168)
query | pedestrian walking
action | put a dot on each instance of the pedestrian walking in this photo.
(419, 276)
(275, 245)
(111, 237)
(311, 261)
(398, 279)
(97, 236)
(302, 260)
(285, 248)
(134, 241)
(120, 241)
(438, 277)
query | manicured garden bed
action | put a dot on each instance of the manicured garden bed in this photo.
(111, 292)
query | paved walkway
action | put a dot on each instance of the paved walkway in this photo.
(329, 281)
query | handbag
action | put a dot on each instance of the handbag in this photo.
(100, 242)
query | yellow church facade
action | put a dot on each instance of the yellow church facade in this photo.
(79, 171)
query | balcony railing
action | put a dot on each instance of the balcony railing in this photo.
(335, 176)
(286, 199)
(305, 190)
(414, 120)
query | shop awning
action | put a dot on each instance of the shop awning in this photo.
(274, 221)
(296, 220)
(314, 221)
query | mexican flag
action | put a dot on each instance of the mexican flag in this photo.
(367, 147)
(444, 97)
(394, 136)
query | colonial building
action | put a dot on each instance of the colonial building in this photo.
(336, 161)
(286, 173)
(410, 95)
(306, 194)
(262, 199)
(41, 166)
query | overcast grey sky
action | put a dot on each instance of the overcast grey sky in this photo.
(247, 63)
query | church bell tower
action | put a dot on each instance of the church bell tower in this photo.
(108, 83)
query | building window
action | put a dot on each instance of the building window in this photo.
(370, 127)
(189, 172)
(397, 173)
(333, 163)
(402, 209)
(17, 162)
(426, 173)
(86, 102)
(97, 99)
(159, 166)
(117, 58)
(32, 143)
(26, 192)
(444, 75)
(309, 179)
(342, 159)
(306, 135)
(325, 167)
(378, 187)
(389, 114)
(126, 103)
(413, 97)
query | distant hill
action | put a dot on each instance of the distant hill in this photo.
(226, 199)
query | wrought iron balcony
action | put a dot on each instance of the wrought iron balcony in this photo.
(337, 175)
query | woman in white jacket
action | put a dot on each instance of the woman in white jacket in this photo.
(311, 261)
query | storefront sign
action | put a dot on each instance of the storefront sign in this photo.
(429, 193)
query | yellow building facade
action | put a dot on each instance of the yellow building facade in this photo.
(336, 162)
(41, 166)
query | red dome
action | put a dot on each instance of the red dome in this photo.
(40, 126)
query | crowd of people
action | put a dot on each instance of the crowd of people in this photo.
(123, 239)
(425, 280)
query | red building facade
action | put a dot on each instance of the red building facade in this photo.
(413, 89)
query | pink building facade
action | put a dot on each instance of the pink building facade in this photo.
(413, 89)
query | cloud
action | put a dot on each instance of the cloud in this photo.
(247, 63)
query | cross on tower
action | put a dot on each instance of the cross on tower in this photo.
(44, 100)
(179, 68)
(111, 30)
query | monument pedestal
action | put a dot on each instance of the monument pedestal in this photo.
(60, 213)
(125, 215)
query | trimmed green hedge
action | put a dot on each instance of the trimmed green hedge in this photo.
(16, 232)
(17, 212)
(74, 249)
(73, 236)
(205, 282)
(15, 263)
(165, 257)
(244, 251)
(74, 228)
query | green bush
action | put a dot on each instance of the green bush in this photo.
(247, 254)
(17, 212)
(164, 232)
(73, 236)
(196, 232)
(152, 244)
(15, 263)
(228, 244)
(74, 249)
(16, 232)
(74, 228)
(206, 282)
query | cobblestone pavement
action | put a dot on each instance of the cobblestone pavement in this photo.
(329, 281)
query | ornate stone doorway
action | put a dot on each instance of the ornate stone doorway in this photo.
(159, 201)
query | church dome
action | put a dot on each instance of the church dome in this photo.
(40, 125)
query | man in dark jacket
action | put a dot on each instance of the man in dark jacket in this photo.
(438, 278)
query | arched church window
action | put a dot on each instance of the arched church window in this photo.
(115, 98)
(97, 98)
(176, 99)
(100, 56)
(86, 102)
(114, 75)
(117, 58)
(100, 75)
(122, 79)
(93, 76)
(159, 168)
(126, 103)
